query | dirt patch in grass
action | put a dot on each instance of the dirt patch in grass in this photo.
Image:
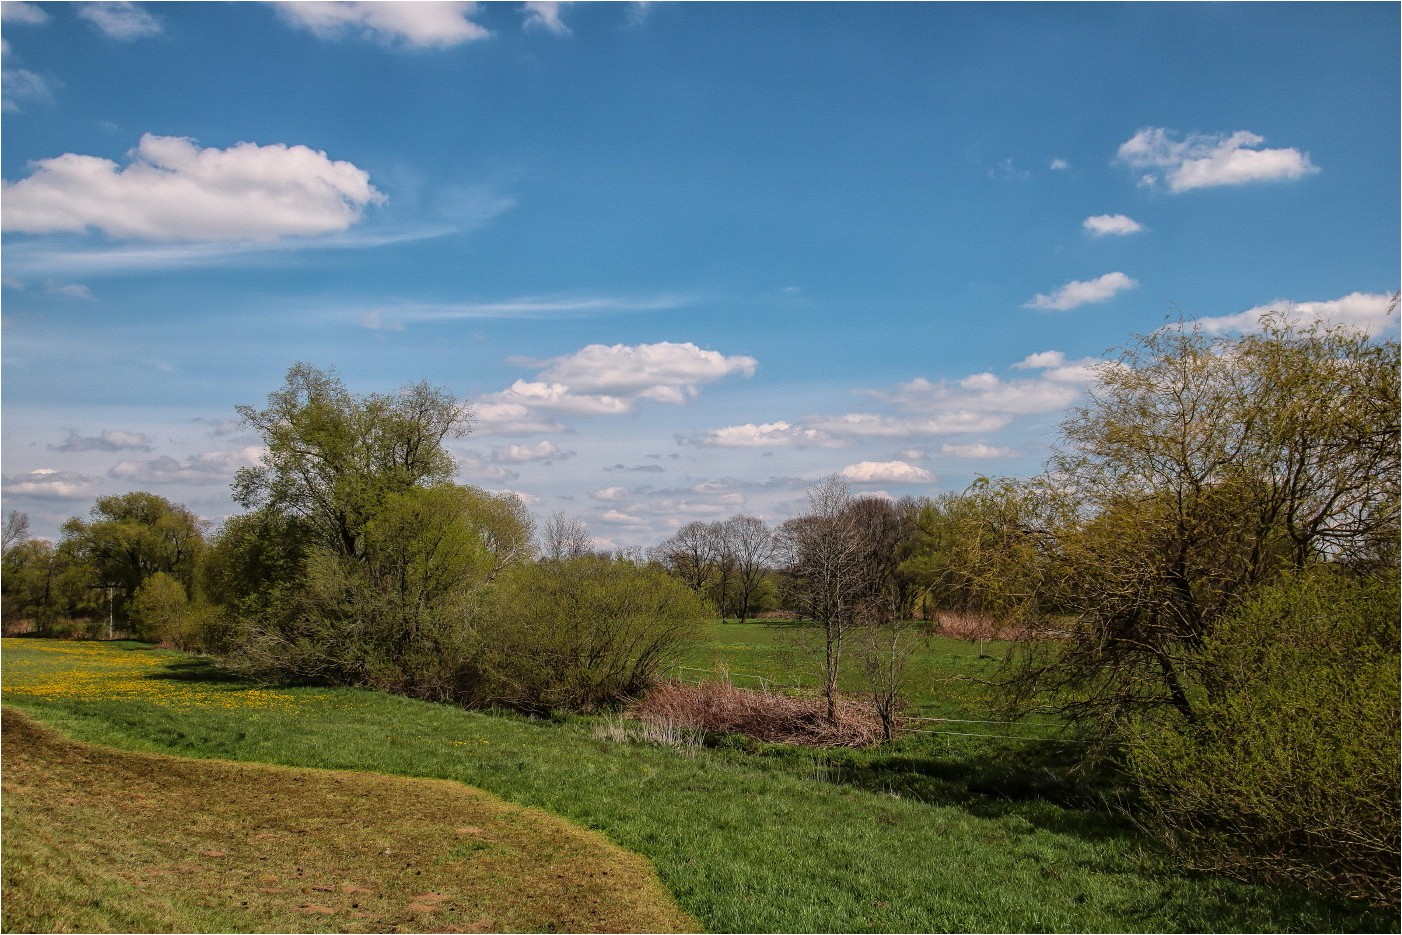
(97, 839)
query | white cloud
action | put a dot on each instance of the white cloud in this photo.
(1203, 160)
(48, 483)
(114, 440)
(541, 14)
(529, 499)
(886, 472)
(610, 380)
(977, 450)
(544, 450)
(1056, 367)
(508, 418)
(19, 86)
(610, 494)
(856, 425)
(1120, 225)
(69, 290)
(17, 11)
(210, 467)
(411, 24)
(174, 190)
(664, 371)
(1077, 293)
(766, 435)
(124, 21)
(614, 516)
(1059, 165)
(1371, 312)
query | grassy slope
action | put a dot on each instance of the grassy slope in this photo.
(741, 847)
(97, 839)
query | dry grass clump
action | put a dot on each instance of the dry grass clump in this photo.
(964, 626)
(721, 708)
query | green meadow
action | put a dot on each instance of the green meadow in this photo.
(743, 839)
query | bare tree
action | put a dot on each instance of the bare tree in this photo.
(16, 529)
(754, 547)
(723, 562)
(881, 528)
(564, 537)
(688, 554)
(823, 558)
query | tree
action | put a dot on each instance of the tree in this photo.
(130, 538)
(754, 548)
(1203, 469)
(160, 611)
(822, 552)
(332, 458)
(724, 562)
(564, 537)
(688, 554)
(881, 529)
(16, 529)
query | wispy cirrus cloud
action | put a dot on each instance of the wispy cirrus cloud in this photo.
(1076, 293)
(394, 317)
(1207, 160)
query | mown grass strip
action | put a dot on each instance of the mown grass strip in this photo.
(97, 839)
(742, 848)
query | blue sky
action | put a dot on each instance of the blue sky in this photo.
(683, 259)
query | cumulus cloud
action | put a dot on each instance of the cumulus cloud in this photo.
(544, 450)
(499, 417)
(1077, 292)
(923, 408)
(615, 516)
(610, 380)
(47, 483)
(114, 440)
(541, 14)
(424, 25)
(1104, 225)
(763, 435)
(610, 494)
(885, 472)
(173, 189)
(126, 22)
(1372, 312)
(210, 467)
(1204, 160)
(1059, 165)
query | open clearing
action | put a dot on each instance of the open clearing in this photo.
(97, 839)
(743, 842)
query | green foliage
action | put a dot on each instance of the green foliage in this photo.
(1291, 769)
(130, 538)
(583, 632)
(160, 611)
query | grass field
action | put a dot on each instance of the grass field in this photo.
(743, 843)
(97, 839)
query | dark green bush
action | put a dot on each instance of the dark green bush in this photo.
(1290, 770)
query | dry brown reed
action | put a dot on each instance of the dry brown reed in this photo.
(721, 708)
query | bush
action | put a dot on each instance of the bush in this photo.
(1291, 767)
(581, 633)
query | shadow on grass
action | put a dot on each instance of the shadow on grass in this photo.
(201, 671)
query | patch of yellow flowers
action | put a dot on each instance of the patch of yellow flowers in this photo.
(53, 670)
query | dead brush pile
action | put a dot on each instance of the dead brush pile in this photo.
(721, 708)
(965, 626)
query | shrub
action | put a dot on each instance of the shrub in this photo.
(584, 632)
(1291, 768)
